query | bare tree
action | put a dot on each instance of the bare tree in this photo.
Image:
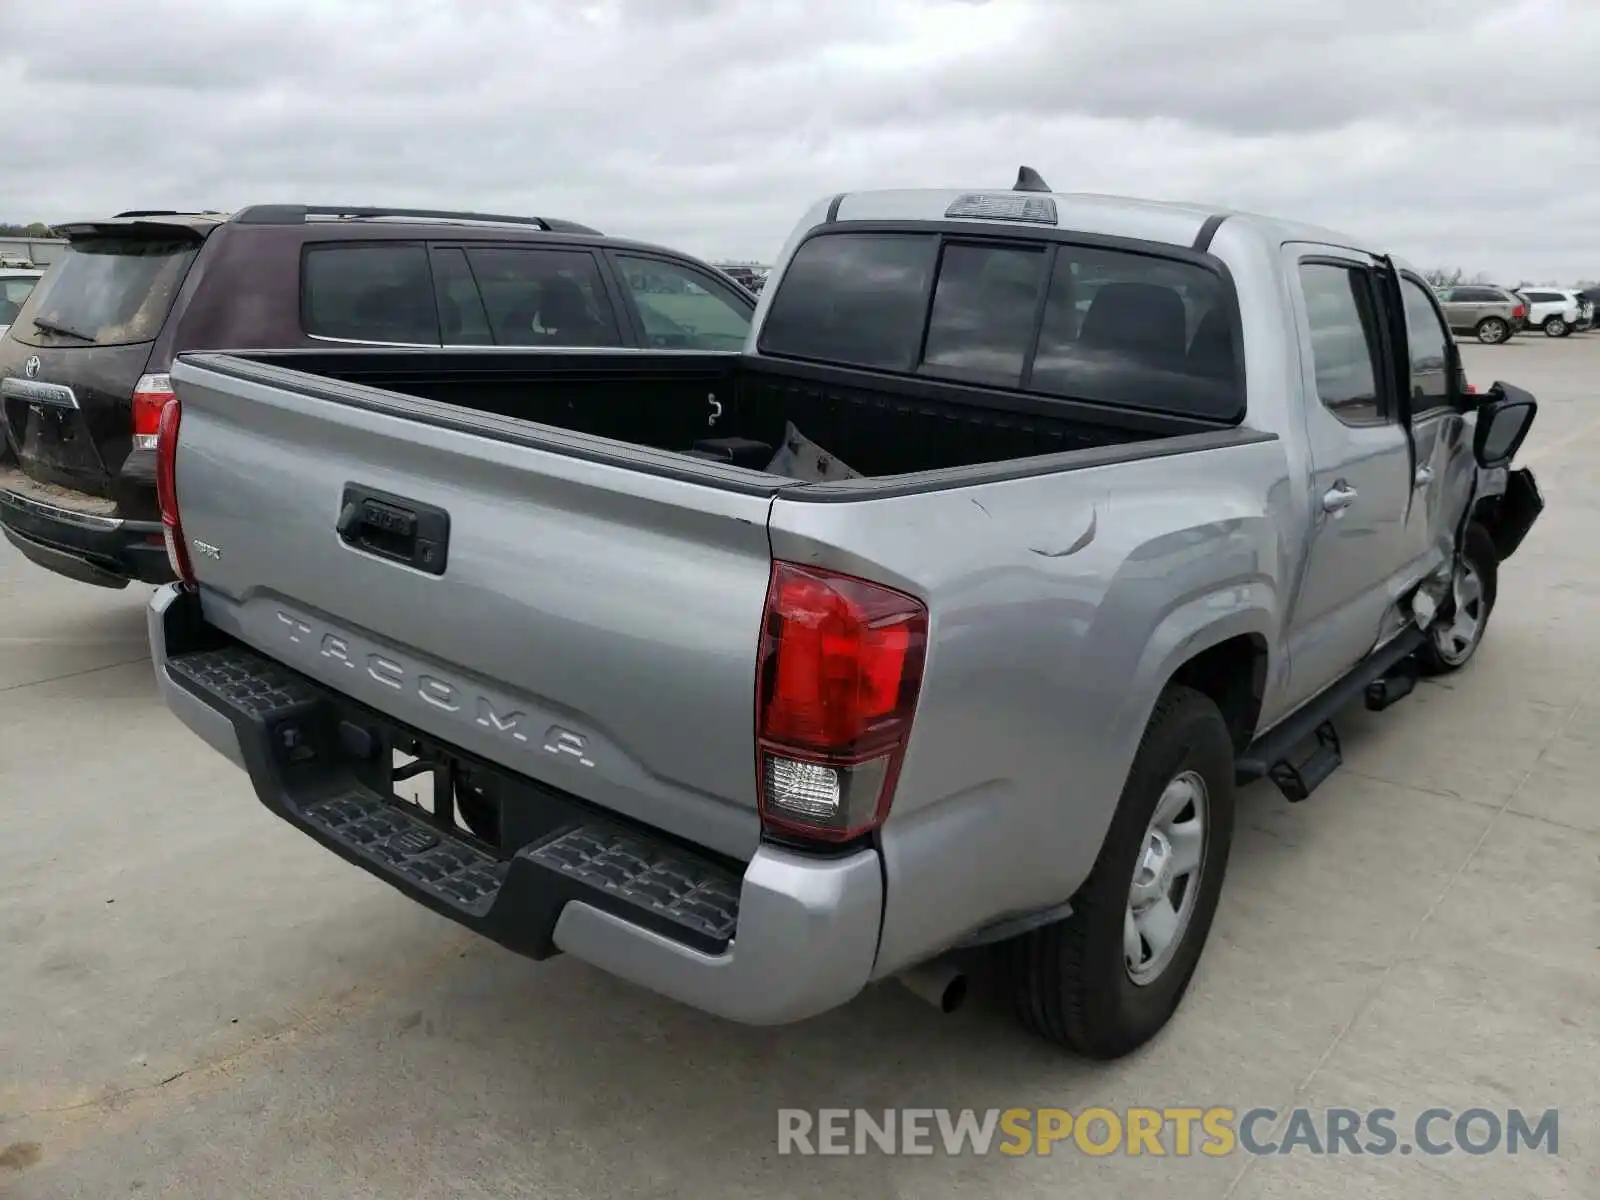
(1443, 277)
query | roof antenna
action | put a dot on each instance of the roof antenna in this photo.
(1029, 180)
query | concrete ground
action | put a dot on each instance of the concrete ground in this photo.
(197, 1001)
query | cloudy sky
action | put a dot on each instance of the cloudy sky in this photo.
(1461, 134)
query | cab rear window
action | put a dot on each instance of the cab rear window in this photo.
(1103, 325)
(106, 291)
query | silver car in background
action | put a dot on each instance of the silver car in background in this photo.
(1490, 314)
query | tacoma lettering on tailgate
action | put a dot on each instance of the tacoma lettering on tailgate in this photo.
(442, 694)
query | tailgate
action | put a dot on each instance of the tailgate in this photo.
(581, 622)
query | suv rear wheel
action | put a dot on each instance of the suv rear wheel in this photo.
(1492, 331)
(1556, 327)
(1106, 979)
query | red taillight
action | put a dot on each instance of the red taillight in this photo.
(1519, 311)
(150, 396)
(836, 687)
(167, 490)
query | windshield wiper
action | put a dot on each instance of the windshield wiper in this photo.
(51, 327)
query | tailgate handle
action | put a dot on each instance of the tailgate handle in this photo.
(395, 528)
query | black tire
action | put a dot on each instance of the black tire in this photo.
(1492, 331)
(1555, 327)
(1478, 552)
(1069, 981)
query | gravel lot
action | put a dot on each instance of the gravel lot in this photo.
(197, 1001)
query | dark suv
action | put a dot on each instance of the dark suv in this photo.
(83, 369)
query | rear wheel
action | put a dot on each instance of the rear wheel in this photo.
(1458, 630)
(1106, 979)
(1556, 327)
(1492, 331)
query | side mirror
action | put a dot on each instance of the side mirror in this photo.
(1504, 420)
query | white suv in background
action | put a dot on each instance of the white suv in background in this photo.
(15, 284)
(1555, 310)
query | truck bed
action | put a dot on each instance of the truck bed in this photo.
(743, 408)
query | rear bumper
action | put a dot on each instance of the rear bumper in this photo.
(785, 937)
(91, 547)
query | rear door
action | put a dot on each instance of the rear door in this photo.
(1362, 471)
(1465, 307)
(78, 347)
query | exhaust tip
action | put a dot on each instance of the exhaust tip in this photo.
(943, 985)
(955, 995)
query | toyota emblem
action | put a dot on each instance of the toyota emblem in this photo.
(31, 367)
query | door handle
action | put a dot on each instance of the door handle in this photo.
(1338, 498)
(1424, 476)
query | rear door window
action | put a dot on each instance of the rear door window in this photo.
(1343, 326)
(376, 292)
(858, 299)
(681, 309)
(539, 297)
(106, 291)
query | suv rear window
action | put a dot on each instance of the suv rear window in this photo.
(1117, 326)
(106, 291)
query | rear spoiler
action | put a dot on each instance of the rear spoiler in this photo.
(136, 227)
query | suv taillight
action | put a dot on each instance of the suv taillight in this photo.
(1519, 311)
(837, 680)
(167, 490)
(150, 396)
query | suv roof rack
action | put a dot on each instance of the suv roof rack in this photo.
(295, 214)
(166, 212)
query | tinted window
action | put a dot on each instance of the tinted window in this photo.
(984, 309)
(462, 321)
(1140, 331)
(1545, 297)
(854, 298)
(544, 297)
(681, 309)
(1429, 349)
(111, 291)
(1343, 341)
(1481, 295)
(377, 292)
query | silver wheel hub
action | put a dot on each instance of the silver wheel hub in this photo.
(1166, 878)
(1456, 636)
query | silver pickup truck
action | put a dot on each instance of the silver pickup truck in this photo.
(934, 630)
